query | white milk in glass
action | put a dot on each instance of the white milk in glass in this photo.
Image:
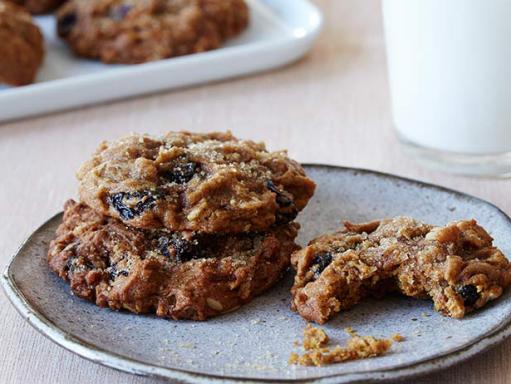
(450, 74)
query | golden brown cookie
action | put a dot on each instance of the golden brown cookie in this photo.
(456, 266)
(197, 182)
(21, 46)
(175, 275)
(39, 6)
(133, 31)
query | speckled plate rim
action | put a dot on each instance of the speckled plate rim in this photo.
(126, 364)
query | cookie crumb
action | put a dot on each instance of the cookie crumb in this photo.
(357, 347)
(314, 338)
(294, 358)
(397, 337)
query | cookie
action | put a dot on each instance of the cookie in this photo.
(39, 6)
(194, 182)
(456, 266)
(175, 275)
(133, 31)
(21, 47)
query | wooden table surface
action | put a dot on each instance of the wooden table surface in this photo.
(331, 107)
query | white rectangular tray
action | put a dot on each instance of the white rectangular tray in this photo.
(280, 32)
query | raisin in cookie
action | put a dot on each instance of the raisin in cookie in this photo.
(456, 266)
(175, 275)
(133, 31)
(199, 182)
(21, 46)
(39, 6)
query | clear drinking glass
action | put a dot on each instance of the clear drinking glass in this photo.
(450, 81)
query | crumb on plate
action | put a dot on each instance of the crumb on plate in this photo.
(317, 353)
(397, 337)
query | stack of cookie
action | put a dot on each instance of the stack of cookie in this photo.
(187, 226)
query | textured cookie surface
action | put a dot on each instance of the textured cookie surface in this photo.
(136, 31)
(179, 276)
(456, 266)
(21, 46)
(200, 182)
(39, 6)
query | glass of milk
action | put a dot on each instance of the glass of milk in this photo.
(450, 81)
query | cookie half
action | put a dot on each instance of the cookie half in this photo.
(175, 275)
(199, 182)
(134, 31)
(456, 266)
(21, 46)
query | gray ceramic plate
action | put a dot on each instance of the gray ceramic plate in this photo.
(254, 342)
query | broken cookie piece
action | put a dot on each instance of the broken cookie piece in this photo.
(456, 266)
